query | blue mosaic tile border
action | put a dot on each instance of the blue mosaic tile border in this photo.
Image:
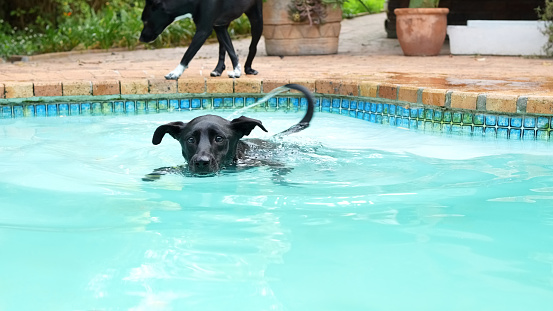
(425, 118)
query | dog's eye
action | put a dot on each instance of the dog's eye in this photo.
(219, 139)
(191, 140)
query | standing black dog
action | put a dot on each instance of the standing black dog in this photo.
(208, 15)
(210, 142)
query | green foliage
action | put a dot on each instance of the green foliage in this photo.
(546, 14)
(353, 7)
(424, 3)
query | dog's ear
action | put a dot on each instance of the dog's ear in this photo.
(173, 128)
(245, 125)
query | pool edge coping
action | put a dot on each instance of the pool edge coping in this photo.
(478, 102)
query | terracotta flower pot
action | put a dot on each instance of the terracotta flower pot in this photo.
(422, 31)
(284, 37)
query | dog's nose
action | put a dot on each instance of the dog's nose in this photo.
(202, 163)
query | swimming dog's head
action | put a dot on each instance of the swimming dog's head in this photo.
(208, 142)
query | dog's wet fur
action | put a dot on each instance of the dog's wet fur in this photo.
(210, 143)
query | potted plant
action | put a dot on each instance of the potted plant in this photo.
(302, 27)
(421, 28)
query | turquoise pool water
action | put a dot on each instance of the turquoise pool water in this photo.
(367, 217)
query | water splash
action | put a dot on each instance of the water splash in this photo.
(271, 94)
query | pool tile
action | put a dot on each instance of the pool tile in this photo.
(447, 128)
(130, 106)
(96, 108)
(141, 105)
(52, 110)
(303, 103)
(438, 115)
(542, 135)
(217, 103)
(466, 129)
(414, 113)
(392, 120)
(107, 107)
(413, 124)
(405, 123)
(490, 132)
(457, 117)
(184, 104)
(502, 121)
(173, 104)
(529, 122)
(228, 102)
(379, 108)
(86, 108)
(239, 102)
(516, 122)
(283, 103)
(6, 111)
(514, 133)
(467, 118)
(456, 129)
(63, 109)
(29, 110)
(17, 111)
(491, 120)
(353, 104)
(448, 117)
(478, 131)
(385, 108)
(502, 133)
(74, 109)
(437, 127)
(345, 104)
(151, 105)
(207, 103)
(392, 109)
(118, 106)
(196, 103)
(406, 112)
(478, 119)
(529, 134)
(40, 110)
(360, 114)
(543, 122)
(429, 114)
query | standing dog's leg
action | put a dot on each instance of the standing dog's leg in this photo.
(221, 63)
(224, 38)
(202, 33)
(255, 15)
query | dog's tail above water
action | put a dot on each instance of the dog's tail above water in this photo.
(304, 123)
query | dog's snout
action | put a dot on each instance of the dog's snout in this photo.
(202, 162)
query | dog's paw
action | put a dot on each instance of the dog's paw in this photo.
(215, 73)
(175, 74)
(250, 71)
(236, 73)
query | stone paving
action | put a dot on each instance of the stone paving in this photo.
(367, 64)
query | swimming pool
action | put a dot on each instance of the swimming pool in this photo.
(366, 217)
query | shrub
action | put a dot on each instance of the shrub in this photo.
(546, 14)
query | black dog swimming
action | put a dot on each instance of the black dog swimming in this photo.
(210, 143)
(208, 15)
